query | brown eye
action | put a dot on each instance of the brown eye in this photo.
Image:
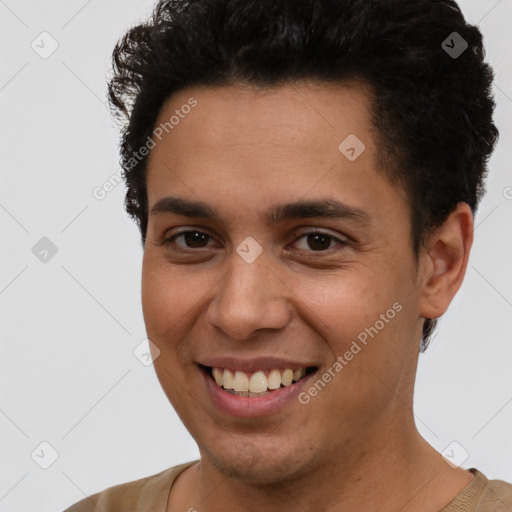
(193, 239)
(317, 241)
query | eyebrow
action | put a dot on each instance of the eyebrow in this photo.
(326, 208)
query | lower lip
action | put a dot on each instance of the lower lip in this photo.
(243, 406)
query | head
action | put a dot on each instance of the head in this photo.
(245, 106)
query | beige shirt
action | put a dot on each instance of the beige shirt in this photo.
(150, 494)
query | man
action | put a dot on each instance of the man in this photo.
(304, 175)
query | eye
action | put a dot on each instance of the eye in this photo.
(319, 241)
(193, 239)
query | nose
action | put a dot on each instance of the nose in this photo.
(250, 297)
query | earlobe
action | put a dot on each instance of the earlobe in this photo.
(444, 262)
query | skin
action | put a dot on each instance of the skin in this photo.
(355, 445)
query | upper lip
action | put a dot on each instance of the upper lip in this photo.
(253, 364)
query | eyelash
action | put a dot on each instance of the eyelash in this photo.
(168, 241)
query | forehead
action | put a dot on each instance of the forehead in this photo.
(244, 130)
(307, 115)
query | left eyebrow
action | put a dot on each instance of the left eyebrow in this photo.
(328, 209)
(323, 208)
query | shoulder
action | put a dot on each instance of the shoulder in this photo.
(497, 497)
(144, 494)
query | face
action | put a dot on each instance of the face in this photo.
(321, 293)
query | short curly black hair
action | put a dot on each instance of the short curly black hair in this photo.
(432, 108)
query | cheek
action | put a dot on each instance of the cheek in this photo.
(363, 319)
(166, 297)
(165, 307)
(172, 299)
(157, 301)
(346, 303)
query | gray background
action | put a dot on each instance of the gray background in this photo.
(69, 325)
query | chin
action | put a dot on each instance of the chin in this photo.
(259, 463)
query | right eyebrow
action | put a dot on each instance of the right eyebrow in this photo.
(183, 207)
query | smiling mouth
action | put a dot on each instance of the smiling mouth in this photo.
(258, 383)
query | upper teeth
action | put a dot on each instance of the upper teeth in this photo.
(257, 382)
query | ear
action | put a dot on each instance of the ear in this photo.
(444, 261)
